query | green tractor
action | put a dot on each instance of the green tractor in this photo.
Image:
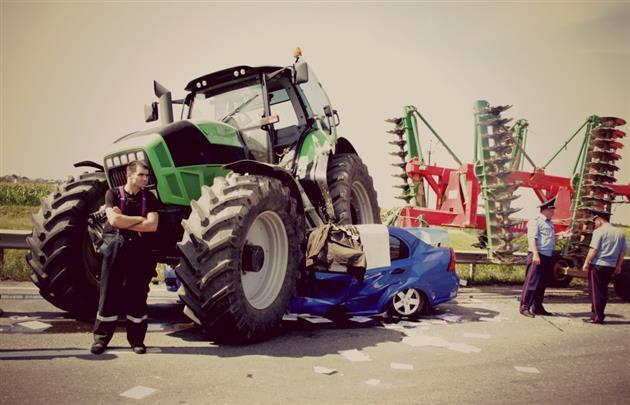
(253, 163)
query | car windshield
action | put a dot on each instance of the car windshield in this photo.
(240, 107)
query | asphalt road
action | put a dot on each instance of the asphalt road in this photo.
(477, 349)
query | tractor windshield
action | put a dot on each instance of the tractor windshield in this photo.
(241, 108)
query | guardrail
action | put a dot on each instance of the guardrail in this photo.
(11, 239)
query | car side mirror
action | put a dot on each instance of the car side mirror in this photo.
(151, 112)
(300, 71)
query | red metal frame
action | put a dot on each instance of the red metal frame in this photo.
(457, 192)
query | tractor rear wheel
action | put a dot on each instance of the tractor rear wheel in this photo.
(352, 190)
(65, 267)
(240, 257)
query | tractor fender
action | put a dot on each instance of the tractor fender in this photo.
(89, 163)
(344, 146)
(265, 169)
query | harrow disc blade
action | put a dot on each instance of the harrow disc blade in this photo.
(402, 176)
(611, 121)
(496, 110)
(402, 154)
(603, 155)
(608, 144)
(496, 122)
(397, 131)
(607, 133)
(602, 167)
(499, 135)
(395, 120)
(599, 178)
(402, 165)
(597, 188)
(401, 143)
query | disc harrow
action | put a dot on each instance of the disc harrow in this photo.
(493, 169)
(593, 188)
(401, 152)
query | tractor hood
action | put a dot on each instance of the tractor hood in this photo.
(181, 155)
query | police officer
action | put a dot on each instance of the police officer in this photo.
(127, 264)
(604, 258)
(541, 241)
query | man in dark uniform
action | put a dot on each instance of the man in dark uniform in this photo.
(127, 263)
(604, 259)
(541, 241)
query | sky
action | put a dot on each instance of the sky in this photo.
(75, 75)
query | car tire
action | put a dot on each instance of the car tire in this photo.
(409, 303)
(555, 278)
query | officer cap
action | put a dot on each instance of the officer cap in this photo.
(548, 204)
(600, 213)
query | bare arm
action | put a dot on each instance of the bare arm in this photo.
(148, 224)
(589, 258)
(532, 248)
(118, 220)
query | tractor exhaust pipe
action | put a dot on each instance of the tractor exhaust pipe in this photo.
(165, 102)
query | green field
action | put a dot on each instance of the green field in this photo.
(19, 201)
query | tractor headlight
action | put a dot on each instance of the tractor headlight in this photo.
(131, 156)
(123, 159)
(116, 161)
(109, 162)
(140, 155)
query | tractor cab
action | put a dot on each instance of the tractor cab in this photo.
(272, 108)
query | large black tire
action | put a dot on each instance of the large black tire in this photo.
(240, 211)
(65, 267)
(555, 278)
(622, 282)
(352, 190)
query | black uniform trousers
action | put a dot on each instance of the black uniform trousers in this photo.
(598, 279)
(536, 277)
(125, 275)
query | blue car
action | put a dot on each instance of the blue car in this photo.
(419, 277)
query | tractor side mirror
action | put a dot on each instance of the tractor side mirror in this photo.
(300, 71)
(151, 112)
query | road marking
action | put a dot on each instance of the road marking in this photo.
(44, 353)
(138, 392)
(529, 370)
(324, 370)
(355, 355)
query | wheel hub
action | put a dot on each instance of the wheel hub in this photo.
(253, 258)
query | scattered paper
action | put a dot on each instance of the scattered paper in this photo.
(487, 319)
(450, 317)
(482, 313)
(476, 335)
(439, 322)
(157, 327)
(530, 370)
(361, 319)
(138, 392)
(373, 382)
(463, 282)
(463, 347)
(408, 324)
(355, 355)
(316, 319)
(289, 317)
(35, 325)
(401, 366)
(425, 340)
(324, 370)
(19, 317)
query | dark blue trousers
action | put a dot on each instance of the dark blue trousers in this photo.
(598, 279)
(536, 277)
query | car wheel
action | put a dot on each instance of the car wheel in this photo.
(409, 303)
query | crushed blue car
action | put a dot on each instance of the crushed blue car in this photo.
(419, 276)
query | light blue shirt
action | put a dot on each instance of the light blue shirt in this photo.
(541, 229)
(609, 242)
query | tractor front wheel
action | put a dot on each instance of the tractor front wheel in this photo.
(621, 282)
(240, 257)
(352, 190)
